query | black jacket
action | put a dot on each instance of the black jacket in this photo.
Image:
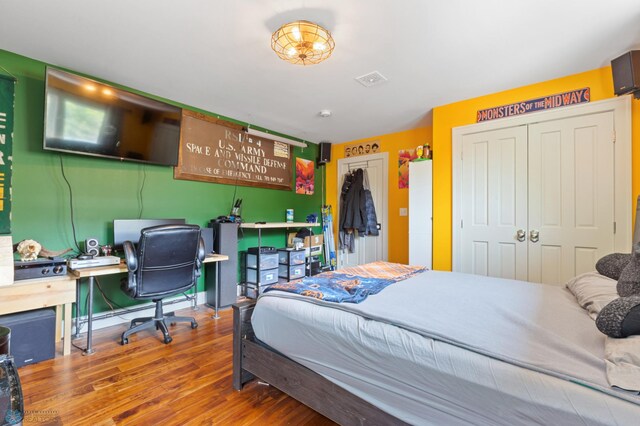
(353, 212)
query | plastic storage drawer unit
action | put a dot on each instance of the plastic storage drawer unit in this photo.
(267, 276)
(291, 272)
(291, 257)
(266, 261)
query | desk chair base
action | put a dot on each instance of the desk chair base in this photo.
(157, 321)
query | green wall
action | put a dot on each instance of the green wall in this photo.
(104, 189)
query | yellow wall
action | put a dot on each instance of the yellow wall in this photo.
(446, 117)
(398, 231)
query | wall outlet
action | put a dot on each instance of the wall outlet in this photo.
(403, 211)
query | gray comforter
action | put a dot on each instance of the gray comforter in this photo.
(538, 327)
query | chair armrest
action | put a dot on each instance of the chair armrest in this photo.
(200, 255)
(130, 256)
(201, 250)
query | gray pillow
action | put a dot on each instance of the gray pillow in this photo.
(629, 281)
(612, 264)
(620, 318)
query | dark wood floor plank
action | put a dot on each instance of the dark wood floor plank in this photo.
(187, 382)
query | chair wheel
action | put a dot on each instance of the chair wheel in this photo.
(167, 340)
(124, 341)
(194, 325)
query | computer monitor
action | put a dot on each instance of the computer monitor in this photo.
(129, 229)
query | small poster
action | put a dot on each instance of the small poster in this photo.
(363, 148)
(7, 90)
(304, 176)
(404, 158)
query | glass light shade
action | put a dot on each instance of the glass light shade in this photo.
(302, 43)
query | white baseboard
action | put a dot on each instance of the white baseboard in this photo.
(121, 316)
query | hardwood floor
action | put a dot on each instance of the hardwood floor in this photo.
(187, 382)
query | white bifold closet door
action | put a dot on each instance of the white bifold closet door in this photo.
(571, 196)
(537, 200)
(494, 203)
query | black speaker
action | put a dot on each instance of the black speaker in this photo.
(225, 242)
(626, 73)
(207, 235)
(92, 246)
(32, 335)
(324, 153)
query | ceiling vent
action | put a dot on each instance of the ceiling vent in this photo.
(372, 79)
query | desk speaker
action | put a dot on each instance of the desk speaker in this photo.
(626, 73)
(92, 246)
(208, 236)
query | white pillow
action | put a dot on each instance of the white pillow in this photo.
(593, 291)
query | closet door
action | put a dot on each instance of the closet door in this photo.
(571, 196)
(367, 248)
(494, 203)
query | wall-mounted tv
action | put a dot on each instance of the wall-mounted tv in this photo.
(83, 116)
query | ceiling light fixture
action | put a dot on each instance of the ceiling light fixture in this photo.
(254, 132)
(302, 43)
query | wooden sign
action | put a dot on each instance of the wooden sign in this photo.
(214, 150)
(532, 105)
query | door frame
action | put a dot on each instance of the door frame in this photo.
(382, 205)
(621, 108)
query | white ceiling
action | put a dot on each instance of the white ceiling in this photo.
(216, 54)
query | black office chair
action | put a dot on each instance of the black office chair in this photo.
(167, 262)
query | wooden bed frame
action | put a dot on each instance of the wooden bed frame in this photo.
(254, 360)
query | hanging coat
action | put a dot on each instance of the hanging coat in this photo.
(355, 206)
(371, 227)
(345, 240)
(353, 215)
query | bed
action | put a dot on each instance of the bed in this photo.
(435, 348)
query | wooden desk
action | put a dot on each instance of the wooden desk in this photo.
(97, 271)
(26, 295)
(278, 225)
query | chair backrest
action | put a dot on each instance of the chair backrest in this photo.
(168, 260)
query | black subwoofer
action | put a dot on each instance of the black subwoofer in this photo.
(626, 73)
(32, 335)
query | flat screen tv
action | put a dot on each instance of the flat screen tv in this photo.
(83, 116)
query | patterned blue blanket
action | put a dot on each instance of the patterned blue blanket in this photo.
(346, 286)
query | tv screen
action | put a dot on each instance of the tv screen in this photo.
(83, 116)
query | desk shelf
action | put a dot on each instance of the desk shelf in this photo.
(278, 225)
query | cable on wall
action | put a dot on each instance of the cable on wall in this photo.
(140, 199)
(73, 225)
